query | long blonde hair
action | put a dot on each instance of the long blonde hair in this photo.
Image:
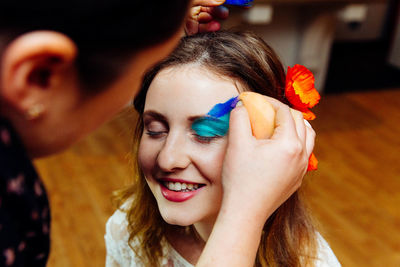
(288, 237)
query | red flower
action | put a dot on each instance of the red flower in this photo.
(301, 93)
(312, 163)
(300, 90)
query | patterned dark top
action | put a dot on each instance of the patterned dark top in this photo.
(24, 208)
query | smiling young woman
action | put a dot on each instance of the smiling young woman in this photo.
(169, 212)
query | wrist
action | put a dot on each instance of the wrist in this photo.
(242, 210)
(234, 234)
(243, 214)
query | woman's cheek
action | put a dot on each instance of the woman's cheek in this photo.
(146, 155)
(212, 161)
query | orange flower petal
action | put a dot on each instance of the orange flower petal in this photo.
(300, 90)
(312, 163)
(308, 115)
(301, 93)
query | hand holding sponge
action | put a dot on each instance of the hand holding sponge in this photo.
(262, 119)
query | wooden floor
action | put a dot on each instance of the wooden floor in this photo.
(355, 194)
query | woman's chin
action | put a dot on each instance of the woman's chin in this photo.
(179, 220)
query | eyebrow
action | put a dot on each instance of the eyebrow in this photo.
(193, 118)
(154, 115)
(158, 116)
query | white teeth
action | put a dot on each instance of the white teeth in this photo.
(171, 186)
(178, 186)
(184, 187)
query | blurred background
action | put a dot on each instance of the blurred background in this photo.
(353, 48)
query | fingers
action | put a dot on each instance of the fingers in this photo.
(191, 27)
(208, 2)
(210, 27)
(207, 18)
(219, 12)
(284, 123)
(203, 16)
(300, 126)
(290, 123)
(310, 138)
(239, 126)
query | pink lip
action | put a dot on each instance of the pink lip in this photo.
(177, 196)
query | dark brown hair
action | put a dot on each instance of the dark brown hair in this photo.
(288, 237)
(107, 32)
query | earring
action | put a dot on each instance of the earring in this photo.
(34, 112)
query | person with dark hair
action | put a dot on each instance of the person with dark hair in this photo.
(66, 67)
(168, 213)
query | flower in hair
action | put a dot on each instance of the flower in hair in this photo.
(300, 90)
(301, 93)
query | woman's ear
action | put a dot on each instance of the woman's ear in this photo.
(31, 66)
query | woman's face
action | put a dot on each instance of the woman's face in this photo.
(182, 169)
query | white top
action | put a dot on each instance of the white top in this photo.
(119, 253)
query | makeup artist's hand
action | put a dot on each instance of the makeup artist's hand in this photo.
(257, 176)
(204, 15)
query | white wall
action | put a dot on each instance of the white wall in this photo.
(303, 34)
(281, 34)
(368, 29)
(298, 35)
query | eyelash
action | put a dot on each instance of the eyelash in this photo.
(205, 139)
(199, 138)
(154, 134)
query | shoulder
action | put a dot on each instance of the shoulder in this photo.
(117, 224)
(119, 253)
(325, 256)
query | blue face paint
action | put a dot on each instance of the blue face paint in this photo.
(238, 2)
(216, 121)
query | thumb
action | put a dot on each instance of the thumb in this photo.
(208, 2)
(239, 126)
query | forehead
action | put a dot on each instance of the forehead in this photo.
(190, 90)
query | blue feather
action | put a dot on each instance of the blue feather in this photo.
(216, 122)
(239, 2)
(221, 109)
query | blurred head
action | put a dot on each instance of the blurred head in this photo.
(203, 70)
(66, 67)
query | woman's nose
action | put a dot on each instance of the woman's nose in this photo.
(174, 153)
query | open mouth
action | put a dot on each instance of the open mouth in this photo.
(181, 187)
(179, 191)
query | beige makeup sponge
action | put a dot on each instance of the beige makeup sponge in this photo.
(261, 114)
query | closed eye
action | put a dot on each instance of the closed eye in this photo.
(154, 127)
(154, 134)
(205, 139)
